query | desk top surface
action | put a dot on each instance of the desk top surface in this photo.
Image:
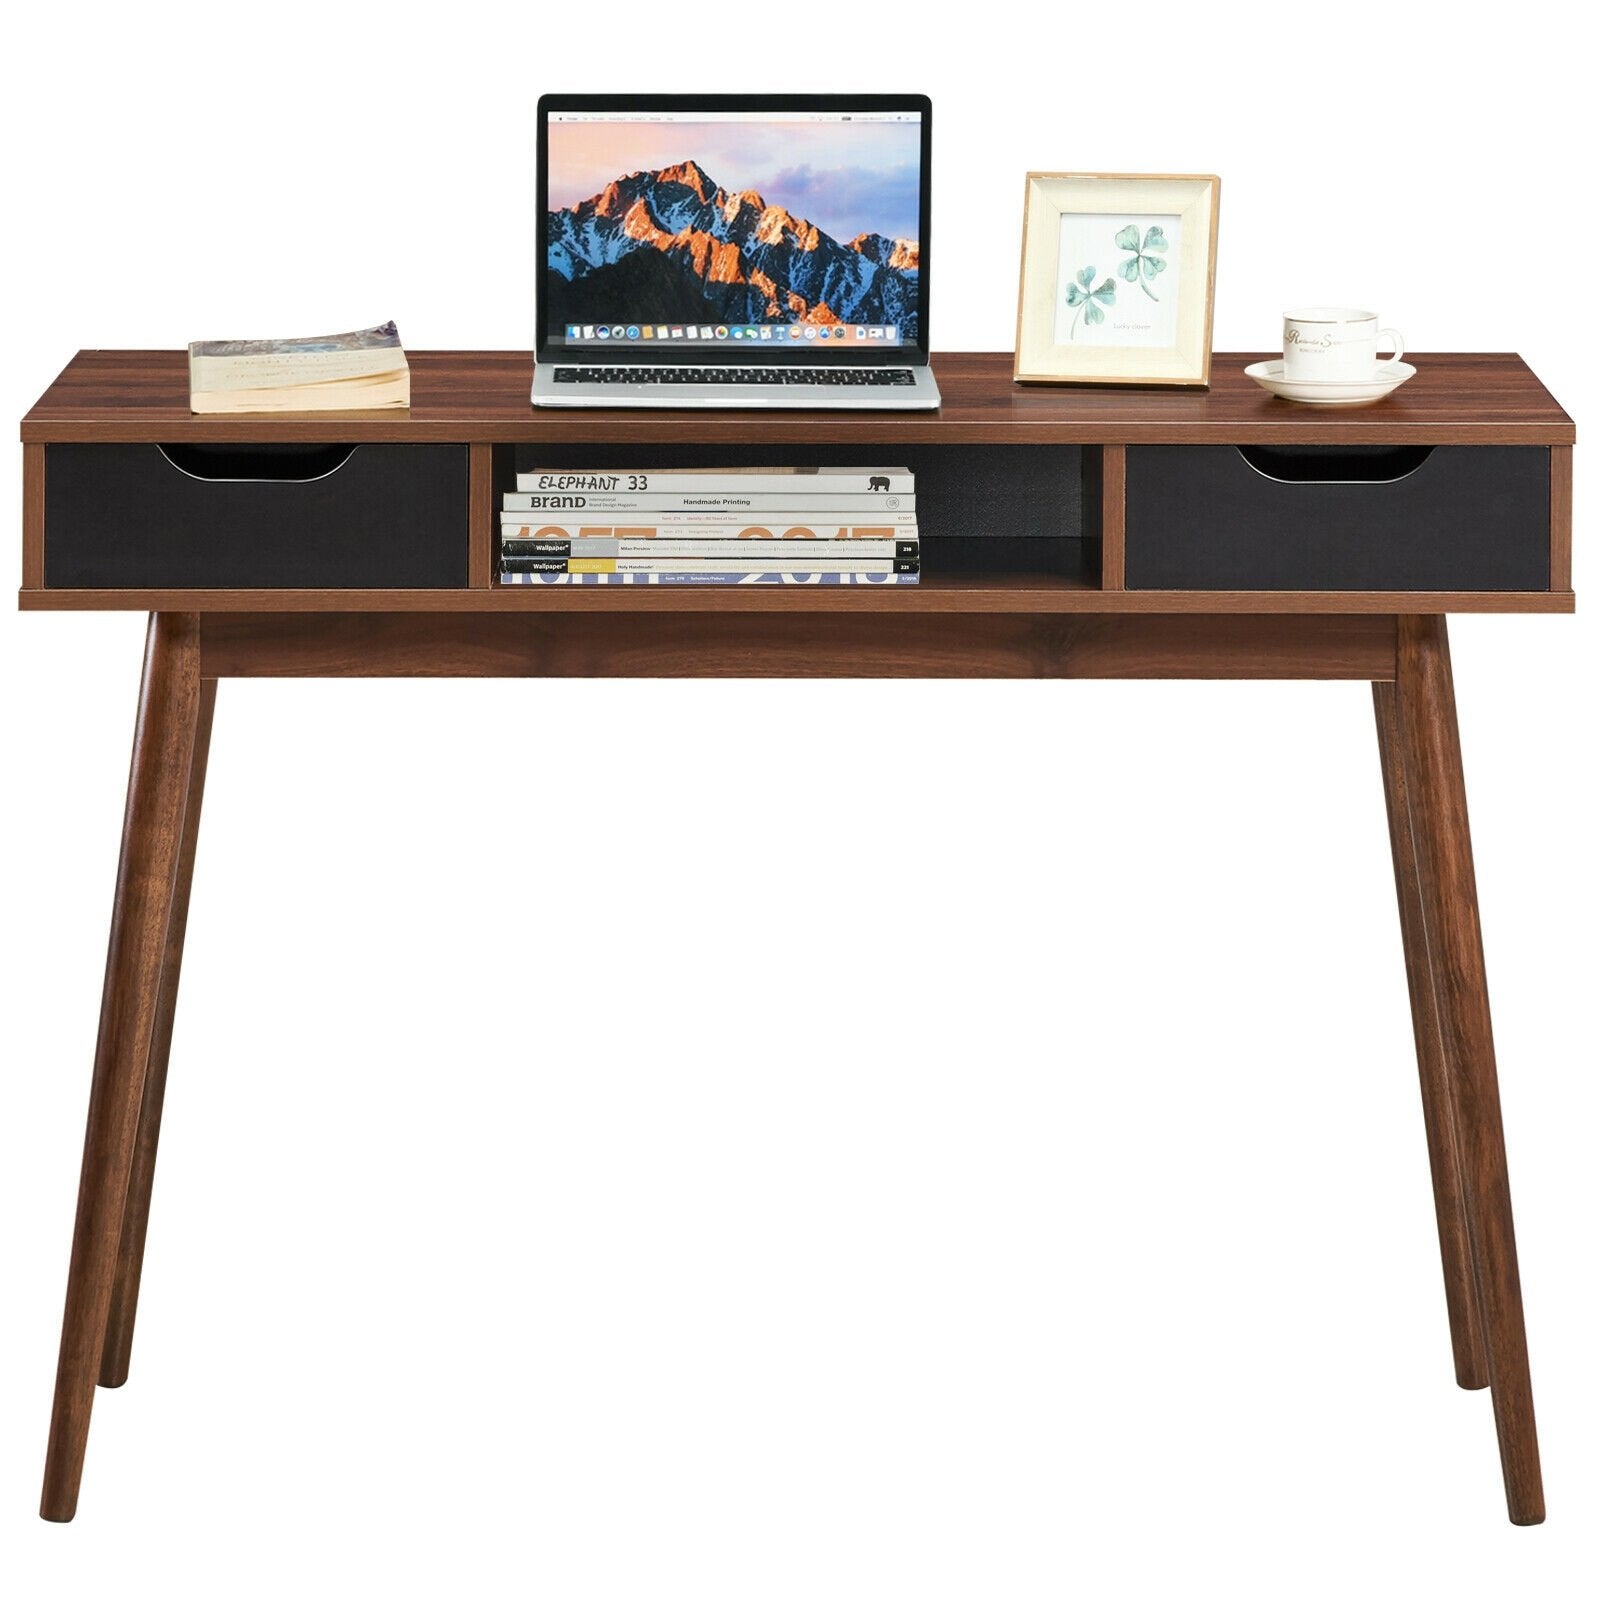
(132, 396)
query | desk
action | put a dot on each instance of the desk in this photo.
(1066, 533)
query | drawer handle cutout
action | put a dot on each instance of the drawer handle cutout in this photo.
(262, 463)
(1334, 463)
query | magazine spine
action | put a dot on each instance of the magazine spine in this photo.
(788, 484)
(711, 501)
(710, 565)
(667, 579)
(754, 551)
(525, 525)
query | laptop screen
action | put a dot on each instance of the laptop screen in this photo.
(674, 228)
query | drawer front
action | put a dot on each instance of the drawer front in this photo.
(1446, 517)
(371, 516)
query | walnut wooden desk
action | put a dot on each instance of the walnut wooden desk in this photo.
(1066, 533)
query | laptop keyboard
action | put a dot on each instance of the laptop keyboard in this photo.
(742, 377)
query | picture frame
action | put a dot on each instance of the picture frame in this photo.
(1118, 273)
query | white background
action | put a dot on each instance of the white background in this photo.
(568, 1220)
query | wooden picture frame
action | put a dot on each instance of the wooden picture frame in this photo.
(1118, 273)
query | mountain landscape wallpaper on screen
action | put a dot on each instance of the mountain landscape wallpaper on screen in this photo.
(674, 245)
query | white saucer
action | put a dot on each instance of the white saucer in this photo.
(1387, 376)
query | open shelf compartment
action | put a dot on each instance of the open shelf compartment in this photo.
(1024, 516)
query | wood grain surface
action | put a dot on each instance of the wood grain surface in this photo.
(1561, 516)
(481, 397)
(969, 593)
(136, 1212)
(483, 517)
(830, 646)
(163, 744)
(33, 516)
(1438, 1107)
(1112, 496)
(1430, 746)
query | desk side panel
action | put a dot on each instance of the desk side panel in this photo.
(33, 516)
(1561, 517)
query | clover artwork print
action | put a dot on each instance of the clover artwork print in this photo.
(1117, 280)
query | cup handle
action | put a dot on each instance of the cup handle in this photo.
(1399, 343)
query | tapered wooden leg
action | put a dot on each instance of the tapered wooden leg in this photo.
(1438, 1111)
(1430, 748)
(136, 1211)
(163, 748)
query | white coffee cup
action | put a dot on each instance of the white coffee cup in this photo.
(1333, 344)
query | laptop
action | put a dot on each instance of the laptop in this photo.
(733, 250)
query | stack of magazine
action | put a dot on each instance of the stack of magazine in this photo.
(773, 525)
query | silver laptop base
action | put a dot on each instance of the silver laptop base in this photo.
(921, 394)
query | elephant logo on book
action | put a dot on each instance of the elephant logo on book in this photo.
(877, 483)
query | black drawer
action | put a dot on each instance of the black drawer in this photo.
(1338, 517)
(370, 516)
